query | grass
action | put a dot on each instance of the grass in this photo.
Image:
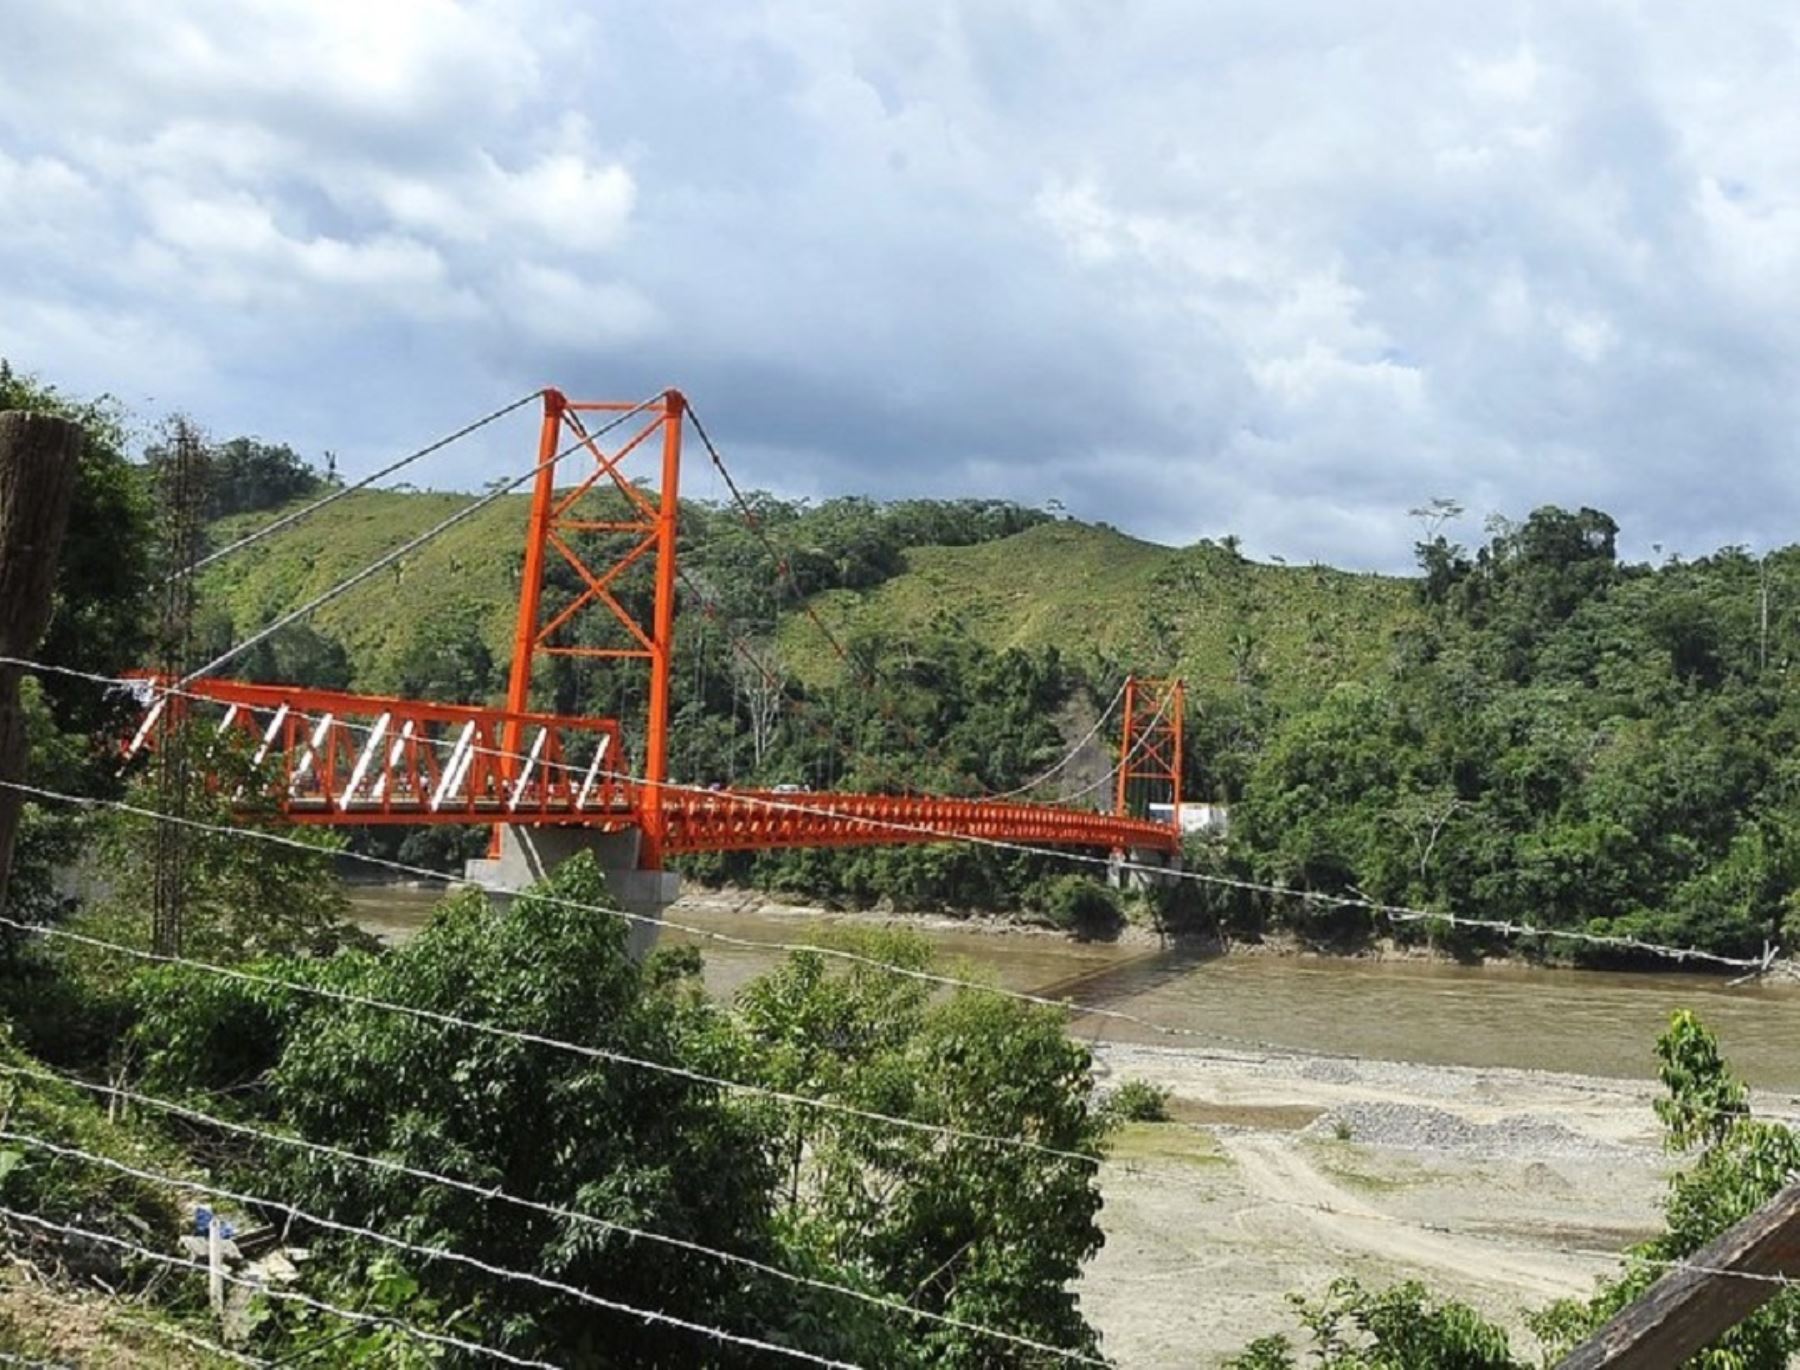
(471, 570)
(1087, 589)
(1339, 1160)
(1094, 592)
(1166, 1142)
(1066, 583)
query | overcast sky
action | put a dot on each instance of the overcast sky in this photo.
(1282, 268)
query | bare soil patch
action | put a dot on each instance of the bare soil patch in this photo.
(1504, 1188)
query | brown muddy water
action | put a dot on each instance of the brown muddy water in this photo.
(1585, 1022)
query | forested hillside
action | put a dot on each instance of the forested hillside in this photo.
(1532, 730)
(508, 1139)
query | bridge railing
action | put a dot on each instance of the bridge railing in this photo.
(331, 757)
(734, 820)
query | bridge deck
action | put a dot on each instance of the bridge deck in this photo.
(328, 757)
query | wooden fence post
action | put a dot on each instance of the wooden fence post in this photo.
(1703, 1298)
(39, 456)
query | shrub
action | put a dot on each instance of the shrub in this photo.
(1139, 1101)
(1082, 906)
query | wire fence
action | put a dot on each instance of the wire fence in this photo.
(490, 1194)
(139, 1251)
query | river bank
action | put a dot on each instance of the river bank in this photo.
(1499, 1014)
(731, 899)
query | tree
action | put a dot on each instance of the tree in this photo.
(1740, 1163)
(103, 579)
(640, 1147)
(447, 659)
(985, 1233)
(1399, 1328)
(99, 625)
(247, 475)
(243, 899)
(760, 683)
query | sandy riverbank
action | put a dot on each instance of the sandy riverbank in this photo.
(1504, 1188)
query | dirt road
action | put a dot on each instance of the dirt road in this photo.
(1504, 1188)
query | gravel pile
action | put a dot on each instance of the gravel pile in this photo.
(1417, 1127)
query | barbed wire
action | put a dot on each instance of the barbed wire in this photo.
(941, 1130)
(1398, 913)
(492, 1194)
(1395, 913)
(937, 978)
(430, 1253)
(443, 1339)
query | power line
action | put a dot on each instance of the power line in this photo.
(925, 976)
(431, 1253)
(708, 934)
(289, 519)
(443, 1339)
(412, 544)
(489, 1193)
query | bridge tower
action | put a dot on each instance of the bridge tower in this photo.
(1150, 759)
(646, 528)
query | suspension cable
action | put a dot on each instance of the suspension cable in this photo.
(289, 519)
(412, 544)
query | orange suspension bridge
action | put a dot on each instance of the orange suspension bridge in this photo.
(339, 758)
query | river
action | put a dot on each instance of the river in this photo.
(1586, 1022)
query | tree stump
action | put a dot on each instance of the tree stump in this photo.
(39, 458)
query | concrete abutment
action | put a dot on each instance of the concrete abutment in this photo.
(530, 854)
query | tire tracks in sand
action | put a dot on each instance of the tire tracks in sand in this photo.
(1274, 1172)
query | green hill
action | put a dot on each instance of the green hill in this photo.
(1089, 590)
(1202, 611)
(469, 574)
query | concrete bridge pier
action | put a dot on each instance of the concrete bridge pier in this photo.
(1125, 869)
(530, 854)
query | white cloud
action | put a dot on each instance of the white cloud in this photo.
(1282, 271)
(562, 309)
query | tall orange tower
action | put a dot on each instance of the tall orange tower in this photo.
(1150, 751)
(649, 525)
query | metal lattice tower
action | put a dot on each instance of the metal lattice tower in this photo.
(1150, 755)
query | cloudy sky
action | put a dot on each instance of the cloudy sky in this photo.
(1279, 269)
